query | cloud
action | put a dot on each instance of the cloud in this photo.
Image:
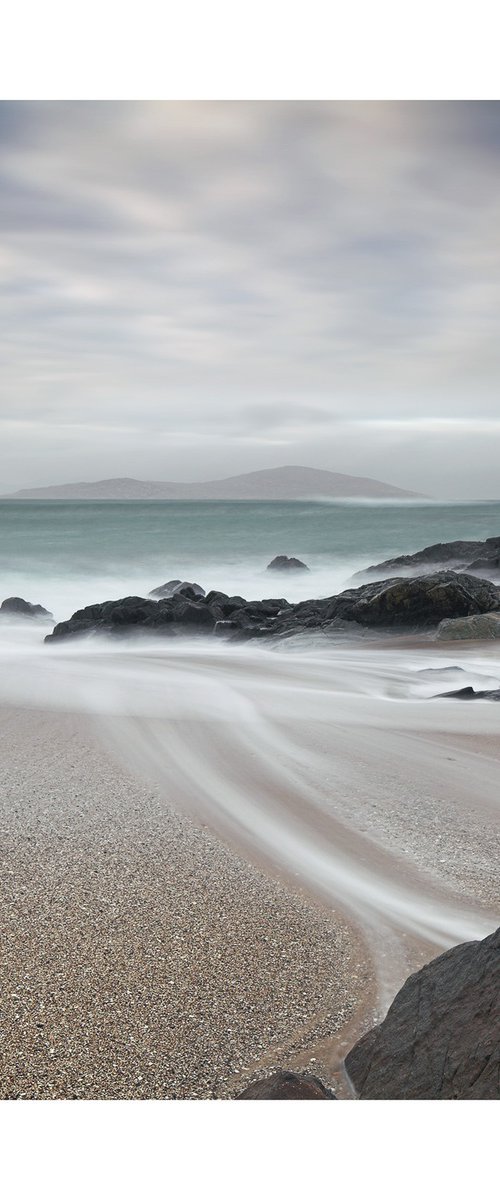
(248, 275)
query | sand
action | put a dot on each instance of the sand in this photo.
(140, 957)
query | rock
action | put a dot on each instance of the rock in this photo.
(440, 1039)
(417, 603)
(480, 557)
(484, 627)
(134, 614)
(283, 563)
(175, 586)
(468, 693)
(410, 604)
(286, 1085)
(190, 613)
(439, 554)
(16, 606)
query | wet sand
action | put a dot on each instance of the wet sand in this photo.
(144, 958)
(140, 957)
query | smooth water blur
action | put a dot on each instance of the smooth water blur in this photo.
(68, 554)
(286, 754)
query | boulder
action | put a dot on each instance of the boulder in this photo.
(484, 627)
(286, 1085)
(416, 603)
(175, 586)
(17, 607)
(440, 1039)
(283, 563)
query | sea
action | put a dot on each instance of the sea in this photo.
(65, 555)
(331, 762)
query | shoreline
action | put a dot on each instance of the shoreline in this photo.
(143, 959)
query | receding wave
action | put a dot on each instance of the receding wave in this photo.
(332, 765)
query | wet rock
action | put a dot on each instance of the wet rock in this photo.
(484, 627)
(283, 563)
(176, 586)
(134, 614)
(286, 1085)
(440, 1039)
(15, 606)
(416, 603)
(468, 693)
(483, 557)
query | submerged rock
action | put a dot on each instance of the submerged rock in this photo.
(283, 563)
(484, 626)
(286, 1085)
(468, 693)
(16, 606)
(440, 1039)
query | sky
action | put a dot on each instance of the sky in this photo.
(194, 290)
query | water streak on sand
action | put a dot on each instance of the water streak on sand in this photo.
(286, 755)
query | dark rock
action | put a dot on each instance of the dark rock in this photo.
(218, 598)
(468, 556)
(190, 613)
(176, 586)
(440, 1039)
(441, 553)
(486, 564)
(17, 607)
(468, 693)
(134, 614)
(283, 563)
(420, 602)
(286, 1085)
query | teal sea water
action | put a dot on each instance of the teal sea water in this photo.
(67, 554)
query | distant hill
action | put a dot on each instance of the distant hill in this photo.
(276, 483)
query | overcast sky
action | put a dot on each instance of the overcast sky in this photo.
(194, 290)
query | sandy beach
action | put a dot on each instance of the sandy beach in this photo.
(143, 955)
(140, 957)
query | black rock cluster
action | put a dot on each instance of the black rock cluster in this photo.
(407, 604)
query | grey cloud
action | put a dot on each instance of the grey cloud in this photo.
(208, 271)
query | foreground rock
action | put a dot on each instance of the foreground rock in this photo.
(441, 1037)
(477, 558)
(485, 627)
(282, 563)
(286, 1085)
(17, 607)
(407, 604)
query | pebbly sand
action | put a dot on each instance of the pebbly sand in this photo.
(141, 959)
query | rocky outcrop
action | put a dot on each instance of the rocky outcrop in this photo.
(419, 602)
(175, 586)
(407, 604)
(133, 614)
(283, 563)
(475, 557)
(15, 606)
(286, 1085)
(484, 627)
(440, 1039)
(468, 693)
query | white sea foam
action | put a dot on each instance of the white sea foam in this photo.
(286, 754)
